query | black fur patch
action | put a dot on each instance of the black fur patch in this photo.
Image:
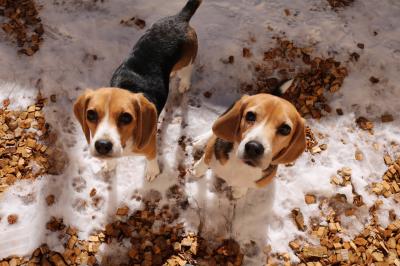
(147, 69)
(222, 149)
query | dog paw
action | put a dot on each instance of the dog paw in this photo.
(201, 141)
(152, 171)
(198, 144)
(195, 174)
(199, 169)
(183, 87)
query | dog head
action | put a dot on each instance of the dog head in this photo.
(268, 130)
(116, 121)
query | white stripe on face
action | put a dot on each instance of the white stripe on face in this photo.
(257, 133)
(109, 132)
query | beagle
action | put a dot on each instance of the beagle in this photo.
(250, 140)
(122, 119)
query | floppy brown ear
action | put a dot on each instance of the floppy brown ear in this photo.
(296, 146)
(80, 107)
(227, 126)
(146, 127)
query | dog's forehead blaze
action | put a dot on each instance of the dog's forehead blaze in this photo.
(271, 111)
(109, 103)
(122, 101)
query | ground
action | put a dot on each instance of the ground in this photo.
(84, 42)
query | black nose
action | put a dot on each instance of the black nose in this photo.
(103, 147)
(254, 149)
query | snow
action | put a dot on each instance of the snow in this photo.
(77, 29)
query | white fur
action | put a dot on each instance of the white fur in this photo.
(128, 149)
(235, 172)
(201, 141)
(106, 131)
(185, 77)
(285, 86)
(152, 169)
(200, 168)
(239, 192)
(257, 134)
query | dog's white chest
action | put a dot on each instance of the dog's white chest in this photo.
(235, 172)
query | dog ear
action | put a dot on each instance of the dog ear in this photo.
(80, 107)
(146, 122)
(296, 146)
(227, 126)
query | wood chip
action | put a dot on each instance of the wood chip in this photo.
(386, 118)
(373, 80)
(12, 219)
(359, 155)
(93, 192)
(315, 252)
(50, 199)
(246, 52)
(299, 219)
(364, 123)
(295, 245)
(123, 211)
(388, 160)
(310, 199)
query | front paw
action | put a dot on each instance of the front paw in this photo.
(200, 142)
(196, 173)
(183, 86)
(199, 169)
(152, 171)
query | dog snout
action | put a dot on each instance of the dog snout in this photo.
(103, 147)
(254, 149)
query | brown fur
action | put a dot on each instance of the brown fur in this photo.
(189, 50)
(227, 126)
(222, 149)
(142, 130)
(273, 112)
(146, 131)
(80, 108)
(209, 150)
(267, 178)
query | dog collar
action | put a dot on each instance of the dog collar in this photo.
(268, 174)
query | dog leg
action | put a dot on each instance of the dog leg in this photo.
(200, 168)
(201, 141)
(185, 76)
(239, 192)
(152, 169)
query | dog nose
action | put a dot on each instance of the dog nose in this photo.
(103, 147)
(254, 149)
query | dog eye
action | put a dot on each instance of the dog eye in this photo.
(284, 129)
(251, 117)
(91, 115)
(125, 118)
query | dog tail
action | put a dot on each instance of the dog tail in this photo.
(282, 87)
(189, 9)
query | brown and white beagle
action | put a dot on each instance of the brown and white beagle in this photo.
(122, 119)
(250, 140)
